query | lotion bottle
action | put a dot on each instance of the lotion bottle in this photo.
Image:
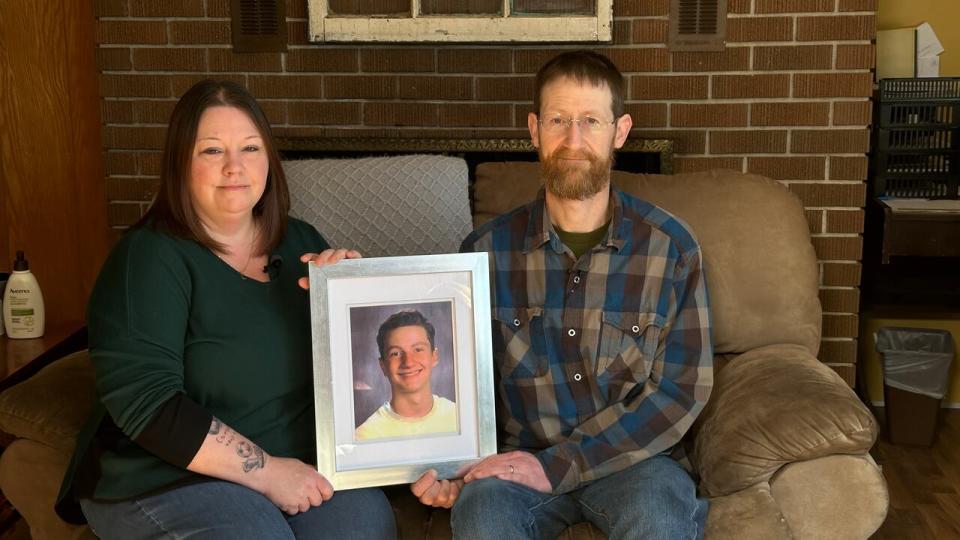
(23, 315)
(3, 287)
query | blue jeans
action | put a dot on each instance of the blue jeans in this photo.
(653, 499)
(218, 509)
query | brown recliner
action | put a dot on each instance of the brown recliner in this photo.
(781, 448)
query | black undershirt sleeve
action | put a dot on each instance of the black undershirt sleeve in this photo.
(177, 431)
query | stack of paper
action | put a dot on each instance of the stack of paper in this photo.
(951, 206)
(928, 51)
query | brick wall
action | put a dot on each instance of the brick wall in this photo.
(788, 98)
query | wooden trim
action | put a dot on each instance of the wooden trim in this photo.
(20, 359)
(664, 147)
(324, 29)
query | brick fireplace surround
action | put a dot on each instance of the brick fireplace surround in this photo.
(788, 98)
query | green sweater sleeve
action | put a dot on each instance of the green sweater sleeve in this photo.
(137, 319)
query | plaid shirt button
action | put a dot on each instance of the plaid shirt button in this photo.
(577, 377)
(576, 279)
(636, 329)
(571, 332)
(516, 322)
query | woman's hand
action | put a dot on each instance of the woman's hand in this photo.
(289, 483)
(293, 485)
(325, 257)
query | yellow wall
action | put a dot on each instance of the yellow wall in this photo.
(869, 359)
(943, 16)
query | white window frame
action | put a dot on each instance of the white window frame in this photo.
(461, 28)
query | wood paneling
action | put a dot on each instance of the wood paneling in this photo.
(50, 152)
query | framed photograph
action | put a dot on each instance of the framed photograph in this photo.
(402, 366)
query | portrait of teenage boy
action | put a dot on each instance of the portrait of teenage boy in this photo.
(406, 342)
(601, 335)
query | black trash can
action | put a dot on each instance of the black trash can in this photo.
(916, 364)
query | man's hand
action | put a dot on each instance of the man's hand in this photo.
(293, 485)
(325, 257)
(517, 466)
(433, 492)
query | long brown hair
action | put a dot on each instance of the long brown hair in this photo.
(173, 208)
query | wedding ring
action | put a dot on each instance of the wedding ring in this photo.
(512, 470)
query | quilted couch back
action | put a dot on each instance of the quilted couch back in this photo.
(384, 206)
(761, 269)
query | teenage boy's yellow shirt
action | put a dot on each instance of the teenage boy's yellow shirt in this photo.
(385, 423)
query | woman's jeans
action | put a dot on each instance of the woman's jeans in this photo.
(654, 499)
(218, 509)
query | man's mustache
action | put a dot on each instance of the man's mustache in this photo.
(567, 153)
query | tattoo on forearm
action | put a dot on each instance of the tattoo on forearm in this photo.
(224, 435)
(226, 438)
(252, 456)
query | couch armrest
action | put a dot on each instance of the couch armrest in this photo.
(771, 406)
(30, 476)
(51, 406)
(841, 497)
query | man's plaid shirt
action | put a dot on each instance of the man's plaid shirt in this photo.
(603, 361)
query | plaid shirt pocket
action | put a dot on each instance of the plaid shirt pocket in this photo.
(628, 344)
(525, 349)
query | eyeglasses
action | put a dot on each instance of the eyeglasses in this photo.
(560, 124)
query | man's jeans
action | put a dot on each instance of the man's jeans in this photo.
(217, 509)
(653, 499)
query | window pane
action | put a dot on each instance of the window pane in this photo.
(554, 7)
(376, 8)
(461, 7)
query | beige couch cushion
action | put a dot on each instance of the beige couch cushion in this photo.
(51, 406)
(747, 514)
(761, 267)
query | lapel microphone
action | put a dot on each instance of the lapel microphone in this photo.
(274, 262)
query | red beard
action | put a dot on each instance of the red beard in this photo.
(571, 180)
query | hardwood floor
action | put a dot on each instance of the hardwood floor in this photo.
(924, 486)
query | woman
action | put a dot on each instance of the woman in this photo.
(200, 337)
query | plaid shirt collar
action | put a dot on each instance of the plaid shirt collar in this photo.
(540, 229)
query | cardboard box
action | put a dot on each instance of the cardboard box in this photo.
(908, 52)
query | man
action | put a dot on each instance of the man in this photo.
(601, 339)
(407, 358)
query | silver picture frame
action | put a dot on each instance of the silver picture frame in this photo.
(339, 291)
